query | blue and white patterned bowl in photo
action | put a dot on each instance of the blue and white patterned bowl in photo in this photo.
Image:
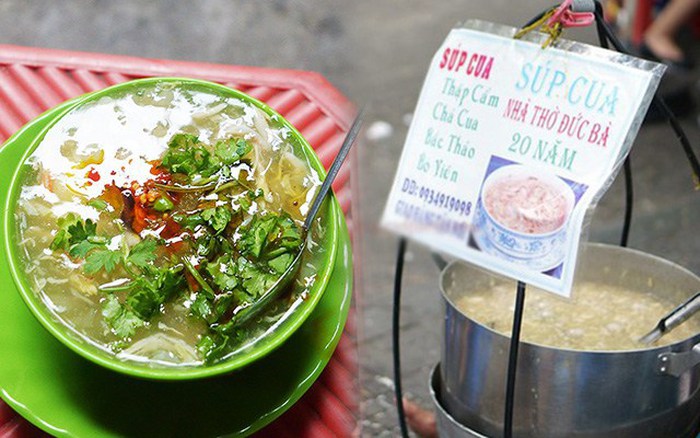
(537, 251)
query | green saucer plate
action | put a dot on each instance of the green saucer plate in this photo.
(67, 395)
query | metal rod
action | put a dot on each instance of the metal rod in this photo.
(513, 360)
(629, 203)
(439, 261)
(398, 392)
(629, 193)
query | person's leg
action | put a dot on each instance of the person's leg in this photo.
(421, 421)
(660, 36)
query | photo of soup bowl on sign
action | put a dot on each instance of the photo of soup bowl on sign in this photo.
(522, 216)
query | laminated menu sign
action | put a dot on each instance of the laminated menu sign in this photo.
(509, 146)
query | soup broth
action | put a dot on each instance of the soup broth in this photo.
(600, 317)
(146, 221)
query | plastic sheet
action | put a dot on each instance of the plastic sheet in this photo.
(526, 139)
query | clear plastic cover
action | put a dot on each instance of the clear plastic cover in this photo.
(512, 145)
(657, 71)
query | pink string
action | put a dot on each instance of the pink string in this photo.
(567, 18)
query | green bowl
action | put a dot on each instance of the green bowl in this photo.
(331, 219)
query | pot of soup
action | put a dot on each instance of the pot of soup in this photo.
(582, 371)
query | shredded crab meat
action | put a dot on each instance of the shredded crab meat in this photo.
(216, 109)
(162, 347)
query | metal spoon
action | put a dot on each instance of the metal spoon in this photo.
(247, 313)
(673, 319)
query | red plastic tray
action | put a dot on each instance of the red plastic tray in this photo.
(33, 80)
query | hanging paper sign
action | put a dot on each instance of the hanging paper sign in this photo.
(509, 146)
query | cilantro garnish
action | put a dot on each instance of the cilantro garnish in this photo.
(122, 321)
(80, 241)
(219, 253)
(154, 289)
(269, 236)
(231, 150)
(187, 155)
(256, 279)
(189, 221)
(223, 272)
(202, 307)
(212, 346)
(101, 259)
(143, 253)
(80, 231)
(217, 218)
(70, 231)
(256, 235)
(281, 263)
(81, 249)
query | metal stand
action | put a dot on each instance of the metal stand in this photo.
(605, 36)
(513, 360)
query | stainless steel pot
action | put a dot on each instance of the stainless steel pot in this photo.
(566, 393)
(447, 426)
